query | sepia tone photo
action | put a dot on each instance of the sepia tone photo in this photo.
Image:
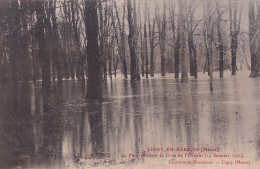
(129, 84)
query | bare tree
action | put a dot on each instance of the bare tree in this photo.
(254, 43)
(120, 37)
(162, 35)
(142, 46)
(136, 38)
(56, 46)
(177, 52)
(66, 34)
(43, 35)
(184, 59)
(191, 27)
(14, 39)
(79, 57)
(176, 39)
(152, 42)
(24, 11)
(220, 41)
(146, 44)
(208, 32)
(132, 42)
(104, 33)
(234, 32)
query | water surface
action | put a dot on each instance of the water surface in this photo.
(60, 129)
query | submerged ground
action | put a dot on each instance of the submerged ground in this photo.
(62, 130)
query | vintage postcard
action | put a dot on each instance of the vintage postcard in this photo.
(129, 84)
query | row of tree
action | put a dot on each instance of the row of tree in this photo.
(51, 39)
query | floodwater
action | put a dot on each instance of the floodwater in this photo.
(62, 130)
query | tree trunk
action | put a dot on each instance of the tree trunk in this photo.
(135, 40)
(142, 52)
(80, 60)
(254, 42)
(190, 41)
(151, 38)
(142, 65)
(208, 31)
(162, 38)
(146, 48)
(26, 68)
(184, 59)
(121, 44)
(56, 46)
(104, 69)
(122, 35)
(102, 40)
(177, 52)
(131, 43)
(15, 40)
(43, 51)
(94, 83)
(234, 32)
(110, 56)
(221, 43)
(195, 67)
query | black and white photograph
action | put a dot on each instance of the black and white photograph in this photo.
(129, 84)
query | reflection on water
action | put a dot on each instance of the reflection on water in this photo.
(60, 128)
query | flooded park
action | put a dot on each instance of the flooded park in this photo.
(129, 84)
(62, 130)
